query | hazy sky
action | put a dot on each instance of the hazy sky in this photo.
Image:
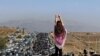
(86, 11)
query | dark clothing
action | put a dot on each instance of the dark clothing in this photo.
(58, 52)
(85, 52)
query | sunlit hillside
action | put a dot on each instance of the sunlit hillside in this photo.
(78, 41)
(6, 30)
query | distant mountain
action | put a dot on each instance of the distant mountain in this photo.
(47, 25)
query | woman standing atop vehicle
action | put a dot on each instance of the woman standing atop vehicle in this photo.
(59, 35)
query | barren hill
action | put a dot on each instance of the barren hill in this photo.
(78, 41)
(6, 30)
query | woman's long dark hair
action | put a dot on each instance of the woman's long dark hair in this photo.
(59, 28)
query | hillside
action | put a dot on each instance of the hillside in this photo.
(6, 30)
(78, 41)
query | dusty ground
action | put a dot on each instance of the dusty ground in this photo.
(78, 41)
(6, 30)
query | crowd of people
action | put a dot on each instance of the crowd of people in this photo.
(29, 45)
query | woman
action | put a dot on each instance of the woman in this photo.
(59, 36)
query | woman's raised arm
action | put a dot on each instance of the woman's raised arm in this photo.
(58, 18)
